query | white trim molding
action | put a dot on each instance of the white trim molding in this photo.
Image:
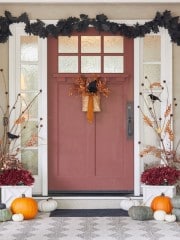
(137, 71)
(41, 179)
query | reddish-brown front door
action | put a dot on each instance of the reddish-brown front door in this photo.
(90, 156)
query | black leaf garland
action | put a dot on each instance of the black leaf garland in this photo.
(66, 27)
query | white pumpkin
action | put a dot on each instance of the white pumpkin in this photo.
(159, 215)
(47, 205)
(18, 217)
(170, 218)
(127, 203)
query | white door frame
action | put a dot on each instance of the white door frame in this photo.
(166, 56)
(41, 180)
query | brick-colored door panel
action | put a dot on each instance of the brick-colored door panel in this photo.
(84, 156)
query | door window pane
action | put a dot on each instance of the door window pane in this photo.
(91, 44)
(70, 56)
(152, 48)
(68, 44)
(90, 64)
(29, 48)
(113, 64)
(153, 72)
(113, 44)
(29, 158)
(68, 64)
(33, 110)
(29, 76)
(29, 130)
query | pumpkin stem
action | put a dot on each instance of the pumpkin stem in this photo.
(23, 195)
(50, 198)
(162, 194)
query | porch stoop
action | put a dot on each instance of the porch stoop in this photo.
(88, 202)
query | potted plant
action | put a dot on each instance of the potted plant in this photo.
(16, 177)
(161, 158)
(160, 175)
(15, 180)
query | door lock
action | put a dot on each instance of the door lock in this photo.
(130, 120)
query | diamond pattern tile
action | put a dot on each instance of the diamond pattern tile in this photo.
(88, 228)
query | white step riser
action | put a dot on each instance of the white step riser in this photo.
(82, 203)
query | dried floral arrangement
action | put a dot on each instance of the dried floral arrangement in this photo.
(90, 89)
(87, 86)
(166, 169)
(11, 168)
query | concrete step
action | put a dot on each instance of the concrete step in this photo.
(88, 202)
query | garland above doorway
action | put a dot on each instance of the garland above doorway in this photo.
(101, 23)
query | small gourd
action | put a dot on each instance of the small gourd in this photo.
(5, 215)
(140, 213)
(127, 203)
(18, 217)
(47, 205)
(2, 206)
(170, 218)
(162, 202)
(26, 206)
(175, 201)
(159, 215)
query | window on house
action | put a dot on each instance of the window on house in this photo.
(152, 57)
(91, 54)
(156, 57)
(28, 89)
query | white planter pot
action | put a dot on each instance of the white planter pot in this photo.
(151, 191)
(9, 193)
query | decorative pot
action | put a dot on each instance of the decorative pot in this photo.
(9, 193)
(151, 191)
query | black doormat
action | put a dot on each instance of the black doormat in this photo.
(89, 213)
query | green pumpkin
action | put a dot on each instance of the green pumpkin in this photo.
(175, 202)
(5, 215)
(140, 213)
(176, 211)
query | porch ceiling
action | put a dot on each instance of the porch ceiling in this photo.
(90, 1)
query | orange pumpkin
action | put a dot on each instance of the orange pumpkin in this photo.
(26, 206)
(162, 202)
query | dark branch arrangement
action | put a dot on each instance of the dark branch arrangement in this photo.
(101, 23)
(163, 167)
(10, 145)
(161, 124)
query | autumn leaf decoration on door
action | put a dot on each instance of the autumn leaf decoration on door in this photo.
(90, 89)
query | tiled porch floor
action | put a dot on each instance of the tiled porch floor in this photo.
(44, 227)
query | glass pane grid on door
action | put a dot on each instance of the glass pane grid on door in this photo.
(91, 54)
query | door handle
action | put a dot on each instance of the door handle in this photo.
(130, 120)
